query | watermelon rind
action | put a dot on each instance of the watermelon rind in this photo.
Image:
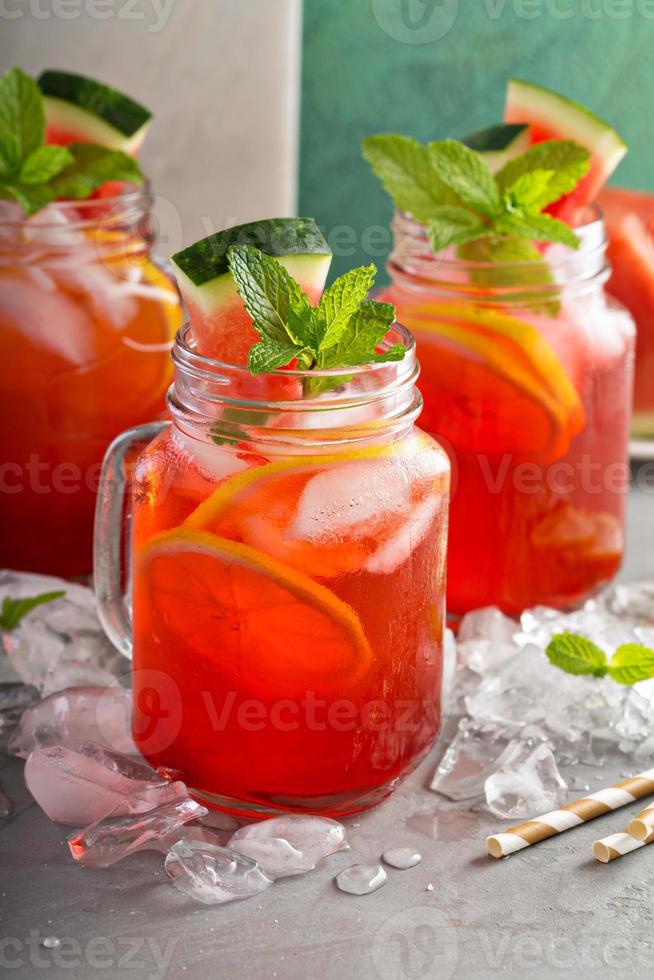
(94, 112)
(500, 143)
(566, 119)
(298, 244)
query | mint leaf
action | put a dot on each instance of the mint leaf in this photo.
(31, 197)
(631, 663)
(453, 226)
(13, 610)
(22, 120)
(567, 161)
(91, 167)
(270, 354)
(365, 330)
(340, 301)
(270, 294)
(44, 163)
(537, 227)
(466, 173)
(406, 172)
(576, 655)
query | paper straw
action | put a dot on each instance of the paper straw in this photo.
(642, 826)
(571, 815)
(616, 846)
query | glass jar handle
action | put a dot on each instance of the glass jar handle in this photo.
(111, 536)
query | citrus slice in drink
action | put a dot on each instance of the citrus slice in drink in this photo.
(246, 612)
(498, 386)
(327, 515)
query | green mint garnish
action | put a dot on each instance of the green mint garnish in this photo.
(343, 330)
(578, 655)
(450, 189)
(13, 610)
(32, 173)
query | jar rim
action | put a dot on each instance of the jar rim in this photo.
(397, 333)
(134, 199)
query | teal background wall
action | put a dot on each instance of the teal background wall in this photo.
(436, 68)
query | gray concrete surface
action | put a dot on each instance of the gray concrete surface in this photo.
(549, 912)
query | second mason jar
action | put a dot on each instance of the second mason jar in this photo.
(288, 568)
(526, 375)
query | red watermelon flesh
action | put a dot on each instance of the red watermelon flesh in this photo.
(629, 219)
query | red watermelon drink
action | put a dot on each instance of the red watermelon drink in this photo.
(87, 319)
(288, 539)
(526, 366)
(629, 217)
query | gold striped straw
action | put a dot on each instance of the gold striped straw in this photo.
(642, 826)
(571, 815)
(616, 846)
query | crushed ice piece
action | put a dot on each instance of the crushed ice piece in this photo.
(274, 855)
(444, 825)
(219, 820)
(14, 699)
(51, 942)
(486, 639)
(79, 788)
(402, 858)
(61, 643)
(361, 879)
(528, 783)
(114, 838)
(635, 599)
(314, 837)
(429, 887)
(75, 716)
(468, 761)
(214, 875)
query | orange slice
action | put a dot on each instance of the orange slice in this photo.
(250, 614)
(498, 386)
(260, 506)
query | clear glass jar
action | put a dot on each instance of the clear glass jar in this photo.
(288, 563)
(528, 385)
(87, 319)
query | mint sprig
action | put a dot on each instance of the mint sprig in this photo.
(13, 610)
(450, 189)
(342, 331)
(631, 662)
(33, 173)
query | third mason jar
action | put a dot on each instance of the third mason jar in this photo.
(526, 375)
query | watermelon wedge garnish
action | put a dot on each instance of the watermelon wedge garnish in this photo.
(499, 144)
(221, 326)
(551, 116)
(80, 110)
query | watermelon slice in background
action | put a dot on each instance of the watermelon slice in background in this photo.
(80, 110)
(222, 328)
(629, 217)
(551, 116)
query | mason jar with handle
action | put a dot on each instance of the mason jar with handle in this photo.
(288, 542)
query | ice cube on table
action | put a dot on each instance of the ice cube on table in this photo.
(60, 643)
(116, 837)
(401, 858)
(314, 837)
(634, 599)
(361, 879)
(214, 875)
(79, 788)
(526, 784)
(486, 639)
(468, 761)
(274, 855)
(72, 717)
